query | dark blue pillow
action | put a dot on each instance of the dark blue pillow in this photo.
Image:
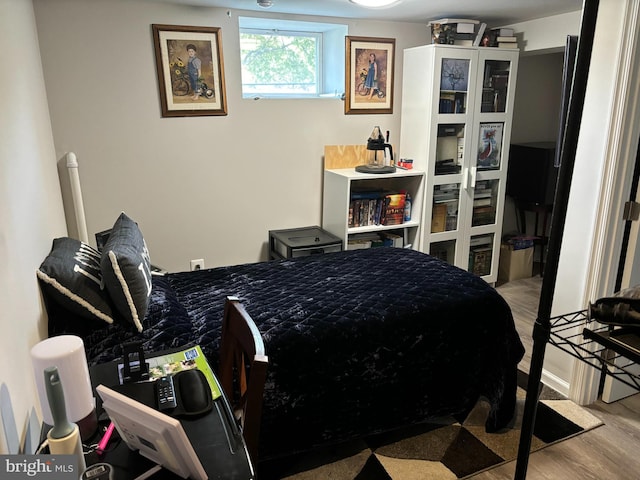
(70, 276)
(126, 269)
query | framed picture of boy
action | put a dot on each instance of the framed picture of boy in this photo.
(369, 75)
(190, 70)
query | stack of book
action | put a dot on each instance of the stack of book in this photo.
(483, 205)
(456, 31)
(445, 251)
(480, 255)
(503, 38)
(444, 217)
(376, 207)
(372, 239)
(365, 208)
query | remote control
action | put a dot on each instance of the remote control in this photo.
(166, 393)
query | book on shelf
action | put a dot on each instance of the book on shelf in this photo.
(394, 209)
(482, 193)
(449, 199)
(363, 240)
(481, 29)
(481, 240)
(372, 211)
(465, 27)
(366, 194)
(481, 202)
(507, 45)
(462, 42)
(393, 239)
(373, 240)
(439, 218)
(449, 21)
(464, 36)
(507, 34)
(452, 101)
(447, 130)
(480, 260)
(483, 215)
(483, 187)
(444, 251)
(446, 166)
(447, 102)
(358, 244)
(365, 208)
(503, 32)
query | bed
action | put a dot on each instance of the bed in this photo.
(358, 341)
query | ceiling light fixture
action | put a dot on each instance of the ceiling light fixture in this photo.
(374, 3)
(265, 3)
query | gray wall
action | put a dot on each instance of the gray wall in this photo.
(203, 187)
(31, 212)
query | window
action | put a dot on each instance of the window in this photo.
(283, 58)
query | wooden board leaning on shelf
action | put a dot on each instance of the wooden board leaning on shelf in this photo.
(346, 156)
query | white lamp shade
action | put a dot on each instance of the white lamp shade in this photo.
(66, 352)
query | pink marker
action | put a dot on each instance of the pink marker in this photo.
(105, 439)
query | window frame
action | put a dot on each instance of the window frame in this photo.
(288, 33)
(330, 54)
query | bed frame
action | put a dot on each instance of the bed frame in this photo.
(349, 335)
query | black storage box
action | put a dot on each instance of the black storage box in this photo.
(301, 242)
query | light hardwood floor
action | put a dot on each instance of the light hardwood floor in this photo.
(609, 452)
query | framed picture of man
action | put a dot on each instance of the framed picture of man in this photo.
(190, 70)
(369, 73)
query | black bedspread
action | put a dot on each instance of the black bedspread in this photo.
(358, 341)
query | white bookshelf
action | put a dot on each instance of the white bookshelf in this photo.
(339, 185)
(456, 112)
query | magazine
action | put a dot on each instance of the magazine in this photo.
(490, 145)
(171, 363)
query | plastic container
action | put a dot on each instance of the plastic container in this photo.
(407, 208)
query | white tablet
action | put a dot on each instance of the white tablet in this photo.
(157, 436)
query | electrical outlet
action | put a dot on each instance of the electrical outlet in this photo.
(197, 264)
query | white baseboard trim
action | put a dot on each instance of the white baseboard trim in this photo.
(559, 385)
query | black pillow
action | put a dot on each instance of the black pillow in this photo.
(70, 276)
(126, 270)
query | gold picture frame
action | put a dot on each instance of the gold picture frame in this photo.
(190, 70)
(369, 72)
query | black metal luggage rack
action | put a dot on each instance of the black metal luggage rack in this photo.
(615, 351)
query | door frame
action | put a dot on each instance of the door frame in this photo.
(623, 129)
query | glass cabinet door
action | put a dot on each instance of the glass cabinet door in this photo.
(445, 251)
(454, 85)
(495, 85)
(481, 254)
(485, 202)
(449, 149)
(446, 202)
